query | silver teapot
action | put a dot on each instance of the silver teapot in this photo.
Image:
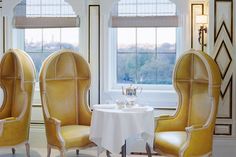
(131, 94)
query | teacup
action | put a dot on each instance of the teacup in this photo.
(120, 104)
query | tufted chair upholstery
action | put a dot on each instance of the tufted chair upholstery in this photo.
(189, 132)
(17, 77)
(64, 82)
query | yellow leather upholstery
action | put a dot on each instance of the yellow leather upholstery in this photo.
(171, 139)
(189, 132)
(64, 82)
(75, 135)
(17, 77)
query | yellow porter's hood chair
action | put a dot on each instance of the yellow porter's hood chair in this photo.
(64, 82)
(189, 133)
(17, 77)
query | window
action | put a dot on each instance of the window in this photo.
(43, 27)
(39, 43)
(144, 8)
(44, 8)
(46, 28)
(147, 56)
(146, 41)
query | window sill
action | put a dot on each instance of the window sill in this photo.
(164, 111)
(154, 98)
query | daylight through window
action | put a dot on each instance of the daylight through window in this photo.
(145, 54)
(40, 41)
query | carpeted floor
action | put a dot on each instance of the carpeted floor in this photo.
(40, 152)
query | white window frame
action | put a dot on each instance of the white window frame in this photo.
(19, 35)
(113, 65)
(19, 42)
(158, 96)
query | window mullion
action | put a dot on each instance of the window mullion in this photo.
(116, 55)
(60, 39)
(156, 54)
(136, 56)
(42, 40)
(41, 12)
(136, 42)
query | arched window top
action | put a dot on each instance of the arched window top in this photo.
(44, 8)
(144, 8)
(44, 14)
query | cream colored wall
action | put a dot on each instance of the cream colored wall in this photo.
(226, 113)
(81, 8)
(223, 51)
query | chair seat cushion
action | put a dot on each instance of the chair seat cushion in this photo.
(75, 135)
(170, 142)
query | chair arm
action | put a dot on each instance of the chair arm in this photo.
(55, 121)
(164, 117)
(52, 126)
(194, 127)
(9, 120)
(2, 121)
(168, 123)
(199, 141)
(16, 125)
(53, 132)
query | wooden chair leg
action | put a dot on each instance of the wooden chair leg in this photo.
(148, 149)
(49, 151)
(123, 150)
(27, 146)
(13, 150)
(77, 152)
(108, 153)
(63, 154)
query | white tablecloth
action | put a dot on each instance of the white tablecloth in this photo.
(111, 127)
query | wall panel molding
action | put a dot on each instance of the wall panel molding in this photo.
(225, 63)
(94, 55)
(220, 18)
(223, 129)
(226, 107)
(4, 34)
(223, 38)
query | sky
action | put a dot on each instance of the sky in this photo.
(146, 36)
(67, 35)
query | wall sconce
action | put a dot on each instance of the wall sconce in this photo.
(202, 20)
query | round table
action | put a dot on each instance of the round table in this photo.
(110, 128)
